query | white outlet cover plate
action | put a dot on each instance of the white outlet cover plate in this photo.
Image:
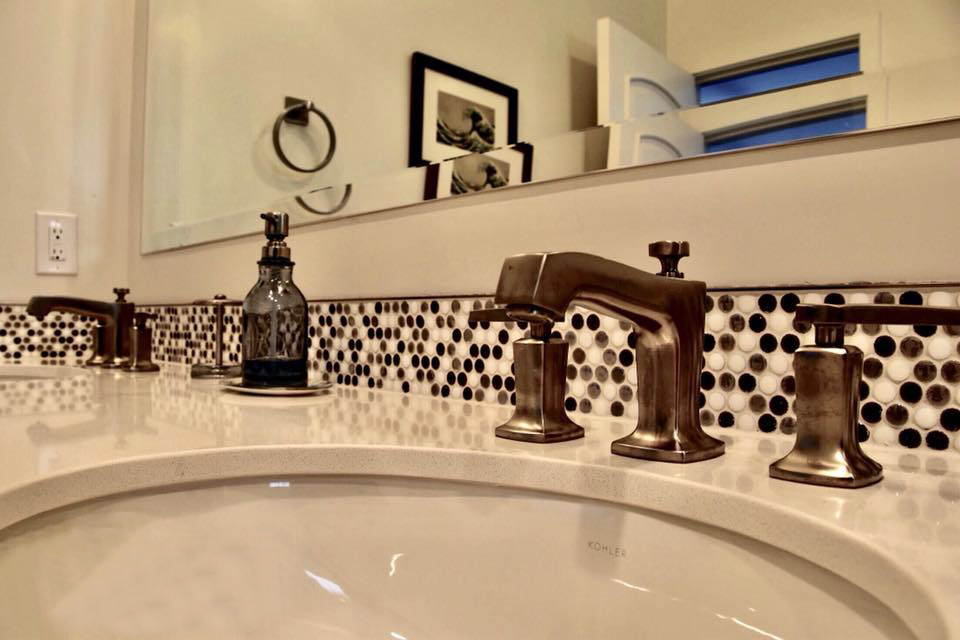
(48, 247)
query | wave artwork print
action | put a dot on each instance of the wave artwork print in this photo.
(464, 124)
(478, 173)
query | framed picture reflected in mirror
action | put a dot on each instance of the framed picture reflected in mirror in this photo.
(477, 172)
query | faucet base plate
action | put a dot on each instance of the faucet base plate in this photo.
(143, 367)
(848, 482)
(633, 447)
(115, 363)
(862, 471)
(536, 433)
(215, 371)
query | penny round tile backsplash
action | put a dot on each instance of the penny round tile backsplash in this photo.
(60, 338)
(427, 346)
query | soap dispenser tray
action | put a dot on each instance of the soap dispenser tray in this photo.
(236, 385)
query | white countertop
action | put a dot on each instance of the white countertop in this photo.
(101, 433)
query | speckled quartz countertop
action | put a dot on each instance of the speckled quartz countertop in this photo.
(97, 433)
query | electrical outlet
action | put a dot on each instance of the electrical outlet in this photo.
(56, 243)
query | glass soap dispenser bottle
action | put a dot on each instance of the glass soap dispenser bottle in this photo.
(275, 316)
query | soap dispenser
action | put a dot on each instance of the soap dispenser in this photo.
(275, 316)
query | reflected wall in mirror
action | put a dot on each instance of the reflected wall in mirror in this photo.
(603, 84)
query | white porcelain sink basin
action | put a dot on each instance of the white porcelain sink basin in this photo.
(27, 373)
(351, 557)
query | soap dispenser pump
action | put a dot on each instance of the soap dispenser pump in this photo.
(275, 316)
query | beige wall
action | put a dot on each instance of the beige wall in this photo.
(870, 207)
(64, 138)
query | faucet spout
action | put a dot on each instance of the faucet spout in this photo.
(114, 321)
(668, 315)
(40, 306)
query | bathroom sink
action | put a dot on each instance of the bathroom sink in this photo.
(371, 557)
(26, 373)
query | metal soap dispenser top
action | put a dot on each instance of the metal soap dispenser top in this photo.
(275, 316)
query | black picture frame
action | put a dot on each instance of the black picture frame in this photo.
(420, 63)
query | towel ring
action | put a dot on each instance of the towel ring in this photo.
(329, 212)
(305, 107)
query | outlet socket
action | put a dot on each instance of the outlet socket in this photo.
(56, 243)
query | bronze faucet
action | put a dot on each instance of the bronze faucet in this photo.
(668, 315)
(111, 348)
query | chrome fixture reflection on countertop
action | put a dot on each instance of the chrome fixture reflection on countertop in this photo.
(828, 375)
(216, 370)
(141, 344)
(668, 313)
(111, 345)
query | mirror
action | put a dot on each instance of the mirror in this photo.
(426, 99)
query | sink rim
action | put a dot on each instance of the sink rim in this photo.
(828, 546)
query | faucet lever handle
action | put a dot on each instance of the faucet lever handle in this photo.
(219, 300)
(140, 318)
(669, 254)
(497, 314)
(541, 324)
(828, 319)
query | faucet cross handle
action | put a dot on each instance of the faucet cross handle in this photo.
(121, 293)
(669, 254)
